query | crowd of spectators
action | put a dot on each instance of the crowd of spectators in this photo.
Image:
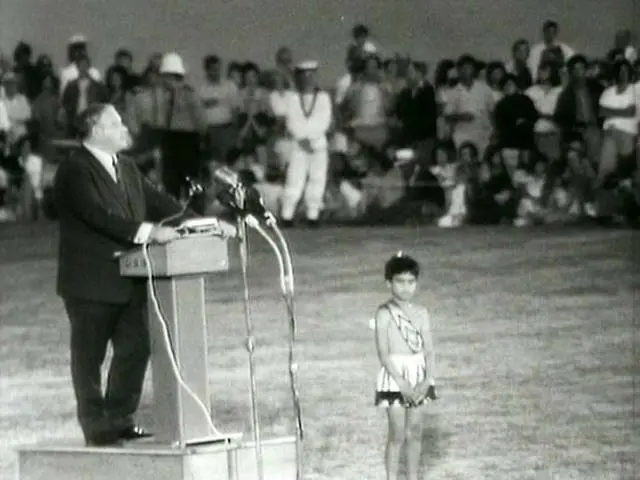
(550, 135)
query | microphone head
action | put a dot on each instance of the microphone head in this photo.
(194, 187)
(227, 177)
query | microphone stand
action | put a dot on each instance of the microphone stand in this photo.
(243, 250)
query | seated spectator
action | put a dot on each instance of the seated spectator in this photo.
(445, 80)
(515, 116)
(491, 195)
(544, 95)
(456, 208)
(580, 177)
(471, 107)
(531, 184)
(496, 75)
(618, 108)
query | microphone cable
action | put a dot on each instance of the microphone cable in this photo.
(153, 297)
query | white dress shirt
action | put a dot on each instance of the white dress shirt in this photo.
(107, 160)
(71, 73)
(535, 56)
(611, 98)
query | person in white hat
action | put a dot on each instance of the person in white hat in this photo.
(182, 131)
(308, 119)
(76, 49)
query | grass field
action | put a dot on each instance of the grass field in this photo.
(534, 331)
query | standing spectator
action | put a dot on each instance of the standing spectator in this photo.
(577, 108)
(46, 115)
(119, 94)
(515, 116)
(445, 81)
(417, 111)
(623, 41)
(81, 92)
(234, 73)
(123, 59)
(18, 109)
(549, 42)
(519, 64)
(26, 70)
(44, 67)
(253, 118)
(284, 65)
(308, 120)
(618, 108)
(76, 50)
(220, 99)
(278, 101)
(545, 98)
(471, 107)
(180, 136)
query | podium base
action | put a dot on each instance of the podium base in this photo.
(148, 461)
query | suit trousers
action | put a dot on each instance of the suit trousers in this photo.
(93, 325)
(306, 174)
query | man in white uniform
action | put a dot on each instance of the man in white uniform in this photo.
(307, 120)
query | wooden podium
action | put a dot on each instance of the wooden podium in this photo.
(184, 445)
(178, 270)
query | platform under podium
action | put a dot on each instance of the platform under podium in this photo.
(184, 446)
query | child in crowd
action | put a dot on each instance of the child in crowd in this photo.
(530, 183)
(406, 378)
(453, 179)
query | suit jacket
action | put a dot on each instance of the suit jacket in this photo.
(96, 220)
(565, 114)
(418, 112)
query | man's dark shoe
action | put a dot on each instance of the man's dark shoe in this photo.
(105, 439)
(134, 433)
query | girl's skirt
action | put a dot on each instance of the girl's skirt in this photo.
(412, 367)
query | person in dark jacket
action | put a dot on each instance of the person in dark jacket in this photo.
(104, 206)
(515, 116)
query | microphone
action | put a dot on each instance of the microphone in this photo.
(227, 177)
(195, 187)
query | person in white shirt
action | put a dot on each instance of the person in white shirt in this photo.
(550, 42)
(17, 107)
(220, 99)
(619, 109)
(544, 95)
(76, 49)
(278, 104)
(308, 119)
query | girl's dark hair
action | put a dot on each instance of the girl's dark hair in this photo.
(234, 67)
(492, 67)
(399, 264)
(441, 73)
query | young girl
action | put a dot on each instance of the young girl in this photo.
(405, 349)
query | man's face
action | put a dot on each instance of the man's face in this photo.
(83, 67)
(550, 34)
(467, 72)
(214, 71)
(78, 51)
(306, 78)
(579, 71)
(522, 52)
(125, 61)
(110, 132)
(285, 59)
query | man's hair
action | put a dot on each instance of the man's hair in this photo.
(399, 264)
(124, 52)
(210, 60)
(518, 43)
(360, 31)
(89, 118)
(550, 24)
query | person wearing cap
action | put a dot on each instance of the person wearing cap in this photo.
(76, 49)
(182, 130)
(307, 121)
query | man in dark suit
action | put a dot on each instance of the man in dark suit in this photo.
(104, 204)
(416, 111)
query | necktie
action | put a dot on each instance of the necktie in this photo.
(116, 169)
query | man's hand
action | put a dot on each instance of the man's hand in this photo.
(305, 144)
(163, 235)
